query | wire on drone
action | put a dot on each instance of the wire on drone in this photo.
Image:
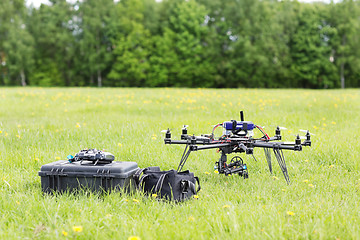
(212, 134)
(263, 132)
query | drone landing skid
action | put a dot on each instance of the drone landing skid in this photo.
(281, 160)
(184, 157)
(268, 158)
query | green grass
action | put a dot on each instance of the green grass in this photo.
(41, 125)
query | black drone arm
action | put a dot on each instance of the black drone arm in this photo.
(219, 145)
(278, 146)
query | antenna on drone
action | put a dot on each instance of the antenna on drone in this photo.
(242, 116)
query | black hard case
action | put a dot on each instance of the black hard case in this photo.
(65, 176)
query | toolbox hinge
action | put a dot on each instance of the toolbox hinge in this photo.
(105, 179)
(54, 178)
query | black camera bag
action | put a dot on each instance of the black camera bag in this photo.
(170, 185)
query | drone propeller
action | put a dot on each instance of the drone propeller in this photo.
(300, 137)
(306, 131)
(280, 127)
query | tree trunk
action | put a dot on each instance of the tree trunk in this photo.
(342, 77)
(99, 78)
(22, 77)
(91, 80)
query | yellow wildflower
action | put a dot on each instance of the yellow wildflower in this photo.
(17, 202)
(119, 144)
(331, 166)
(196, 196)
(207, 173)
(135, 200)
(57, 158)
(333, 122)
(275, 178)
(312, 186)
(226, 206)
(290, 213)
(305, 181)
(216, 171)
(19, 125)
(64, 233)
(18, 136)
(154, 195)
(77, 228)
(134, 238)
(307, 160)
(191, 218)
(283, 190)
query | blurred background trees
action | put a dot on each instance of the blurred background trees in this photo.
(181, 43)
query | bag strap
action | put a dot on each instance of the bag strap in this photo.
(198, 182)
(142, 179)
(160, 182)
(137, 174)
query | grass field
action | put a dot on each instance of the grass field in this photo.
(39, 126)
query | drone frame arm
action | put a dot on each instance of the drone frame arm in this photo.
(278, 146)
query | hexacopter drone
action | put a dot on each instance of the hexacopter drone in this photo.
(238, 138)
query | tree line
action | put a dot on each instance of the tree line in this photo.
(181, 43)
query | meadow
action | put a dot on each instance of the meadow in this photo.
(42, 125)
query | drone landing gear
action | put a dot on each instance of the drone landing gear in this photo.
(281, 160)
(236, 166)
(268, 158)
(184, 157)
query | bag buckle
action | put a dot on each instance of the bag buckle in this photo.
(184, 186)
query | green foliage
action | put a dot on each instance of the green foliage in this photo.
(16, 45)
(95, 45)
(311, 51)
(178, 43)
(52, 28)
(184, 62)
(131, 48)
(47, 75)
